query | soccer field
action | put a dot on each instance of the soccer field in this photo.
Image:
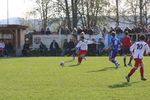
(41, 78)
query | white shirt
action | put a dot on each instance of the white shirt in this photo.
(2, 45)
(138, 49)
(83, 45)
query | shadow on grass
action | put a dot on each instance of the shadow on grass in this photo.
(73, 65)
(68, 61)
(124, 84)
(104, 69)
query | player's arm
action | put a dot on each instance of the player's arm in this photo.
(147, 49)
(132, 48)
(90, 42)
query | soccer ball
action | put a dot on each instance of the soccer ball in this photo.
(62, 63)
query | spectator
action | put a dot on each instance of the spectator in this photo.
(137, 29)
(48, 32)
(118, 30)
(133, 29)
(90, 31)
(100, 47)
(75, 31)
(71, 45)
(85, 30)
(92, 49)
(8, 48)
(42, 31)
(2, 48)
(96, 30)
(67, 31)
(111, 30)
(104, 31)
(42, 49)
(127, 30)
(26, 49)
(80, 30)
(65, 48)
(54, 48)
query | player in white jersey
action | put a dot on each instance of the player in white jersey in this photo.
(82, 46)
(139, 48)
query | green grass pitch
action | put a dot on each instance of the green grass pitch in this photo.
(41, 78)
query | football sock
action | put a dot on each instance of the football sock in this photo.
(79, 59)
(124, 61)
(130, 60)
(142, 72)
(131, 71)
(114, 61)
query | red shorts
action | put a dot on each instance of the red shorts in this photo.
(138, 62)
(82, 52)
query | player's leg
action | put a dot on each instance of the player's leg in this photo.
(73, 55)
(133, 69)
(131, 58)
(115, 62)
(125, 55)
(79, 60)
(81, 55)
(142, 71)
(112, 59)
(124, 60)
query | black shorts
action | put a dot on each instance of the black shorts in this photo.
(126, 50)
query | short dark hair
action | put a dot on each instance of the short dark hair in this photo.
(142, 37)
(113, 34)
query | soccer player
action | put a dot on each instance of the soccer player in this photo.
(82, 46)
(139, 48)
(115, 43)
(126, 41)
(73, 52)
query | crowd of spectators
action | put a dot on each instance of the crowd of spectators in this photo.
(94, 30)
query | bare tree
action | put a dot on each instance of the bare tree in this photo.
(43, 8)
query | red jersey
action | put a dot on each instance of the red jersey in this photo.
(126, 41)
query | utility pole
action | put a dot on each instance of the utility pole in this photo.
(7, 12)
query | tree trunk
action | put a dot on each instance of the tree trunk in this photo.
(117, 12)
(74, 12)
(67, 14)
(141, 11)
(88, 16)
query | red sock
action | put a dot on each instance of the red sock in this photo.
(79, 59)
(142, 71)
(132, 71)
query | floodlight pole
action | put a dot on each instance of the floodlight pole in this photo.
(7, 12)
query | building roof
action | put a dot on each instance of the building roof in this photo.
(13, 26)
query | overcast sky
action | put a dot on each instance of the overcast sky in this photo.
(17, 8)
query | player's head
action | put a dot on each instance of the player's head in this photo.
(82, 38)
(113, 34)
(142, 38)
(82, 34)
